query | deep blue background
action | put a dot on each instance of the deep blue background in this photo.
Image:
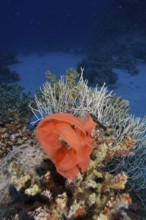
(27, 25)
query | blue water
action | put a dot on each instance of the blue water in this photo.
(32, 25)
(109, 33)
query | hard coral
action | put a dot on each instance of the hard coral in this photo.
(111, 112)
(66, 139)
(42, 192)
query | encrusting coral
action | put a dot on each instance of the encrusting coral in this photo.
(34, 188)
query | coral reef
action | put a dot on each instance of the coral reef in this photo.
(110, 111)
(38, 191)
(31, 187)
(103, 106)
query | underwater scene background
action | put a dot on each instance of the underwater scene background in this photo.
(82, 64)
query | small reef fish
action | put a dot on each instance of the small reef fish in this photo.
(67, 141)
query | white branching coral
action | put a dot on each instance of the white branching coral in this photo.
(106, 108)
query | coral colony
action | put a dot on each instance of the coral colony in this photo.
(84, 160)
